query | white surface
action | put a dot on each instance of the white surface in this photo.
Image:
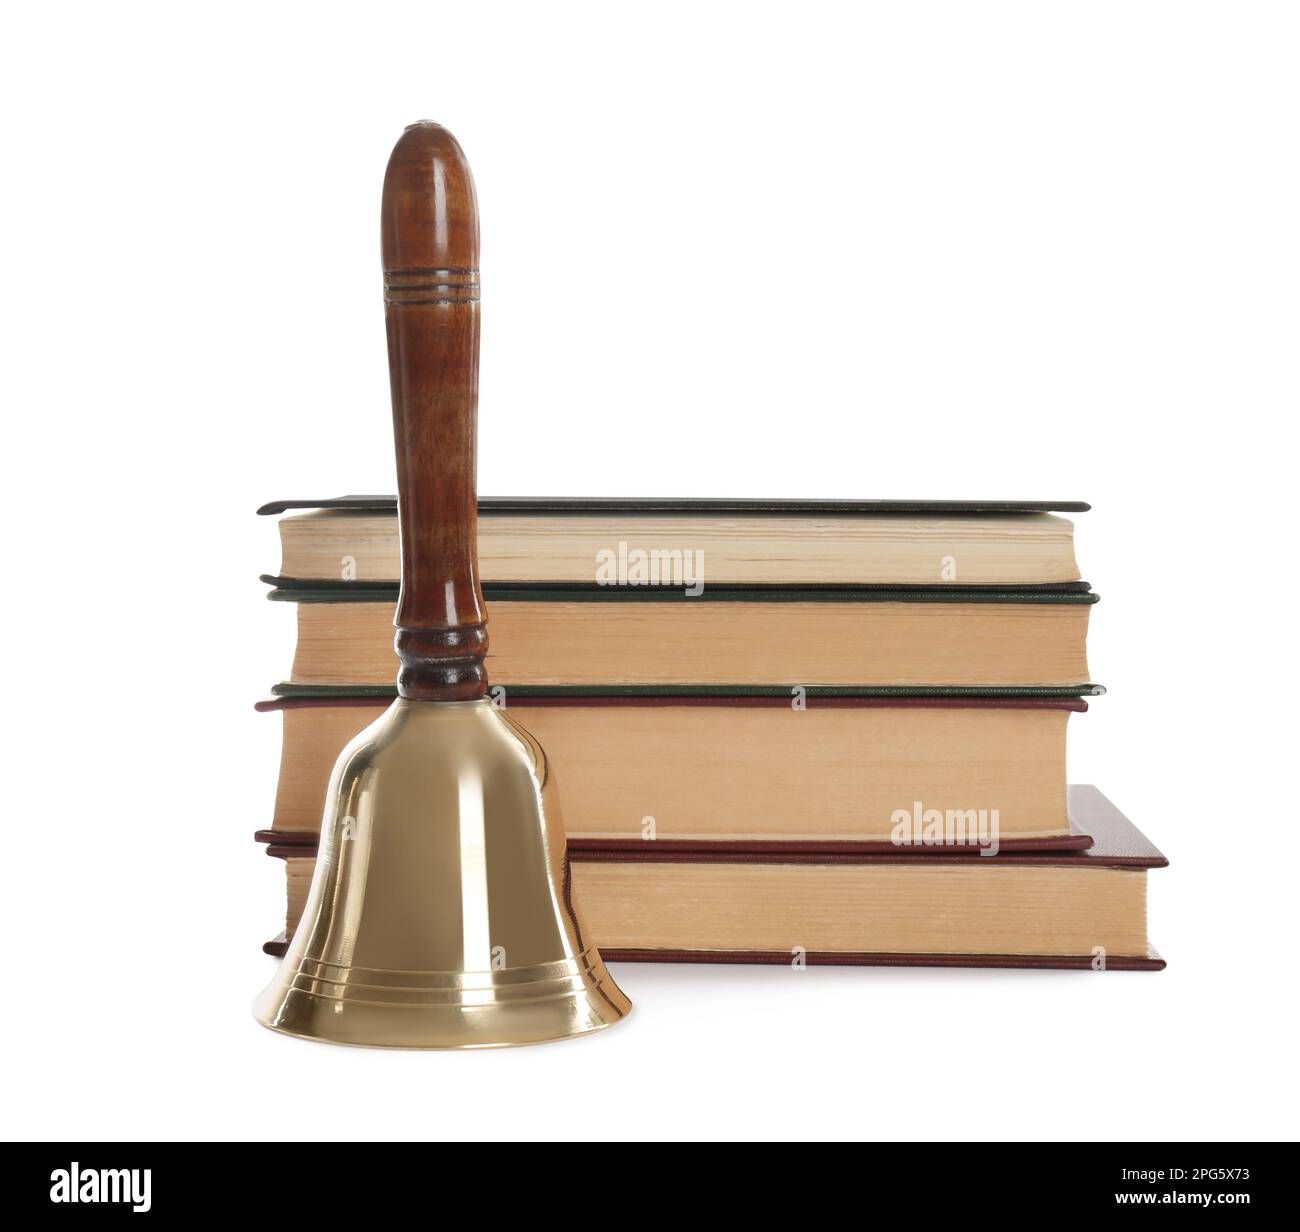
(996, 250)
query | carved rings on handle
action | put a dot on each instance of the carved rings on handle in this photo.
(431, 286)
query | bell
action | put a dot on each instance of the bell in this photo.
(441, 914)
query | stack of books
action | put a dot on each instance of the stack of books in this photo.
(785, 731)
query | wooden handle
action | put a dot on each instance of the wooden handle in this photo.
(430, 247)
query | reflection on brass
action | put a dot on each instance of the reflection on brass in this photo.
(440, 913)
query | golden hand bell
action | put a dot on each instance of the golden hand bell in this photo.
(441, 914)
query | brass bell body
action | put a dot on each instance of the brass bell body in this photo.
(440, 914)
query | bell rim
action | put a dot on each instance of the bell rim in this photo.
(607, 1011)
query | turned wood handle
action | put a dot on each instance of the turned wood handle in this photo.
(430, 247)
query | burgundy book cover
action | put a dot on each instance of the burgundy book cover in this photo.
(1079, 839)
(1117, 843)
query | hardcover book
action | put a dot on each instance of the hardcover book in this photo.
(759, 772)
(927, 637)
(1068, 909)
(836, 543)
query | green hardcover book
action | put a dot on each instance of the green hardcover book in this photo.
(716, 542)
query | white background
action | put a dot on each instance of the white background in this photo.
(908, 250)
